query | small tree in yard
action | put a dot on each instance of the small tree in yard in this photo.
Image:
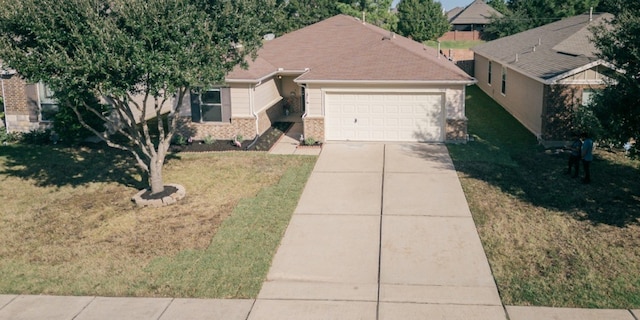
(142, 56)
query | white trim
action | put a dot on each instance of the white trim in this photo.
(279, 72)
(588, 66)
(422, 82)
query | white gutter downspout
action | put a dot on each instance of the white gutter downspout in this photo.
(252, 92)
(304, 101)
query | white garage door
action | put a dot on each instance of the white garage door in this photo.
(384, 117)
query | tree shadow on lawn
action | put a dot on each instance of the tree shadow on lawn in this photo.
(69, 166)
(539, 177)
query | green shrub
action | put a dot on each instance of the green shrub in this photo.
(179, 140)
(39, 137)
(310, 141)
(9, 137)
(209, 140)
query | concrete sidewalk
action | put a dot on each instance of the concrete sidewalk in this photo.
(382, 231)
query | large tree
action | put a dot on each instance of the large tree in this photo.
(295, 14)
(500, 5)
(618, 105)
(421, 20)
(522, 15)
(376, 12)
(142, 56)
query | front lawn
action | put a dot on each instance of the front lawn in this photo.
(550, 240)
(68, 227)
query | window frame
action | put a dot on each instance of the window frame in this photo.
(46, 97)
(209, 104)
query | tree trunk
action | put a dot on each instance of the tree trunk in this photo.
(155, 175)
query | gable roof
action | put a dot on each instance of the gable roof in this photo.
(453, 13)
(478, 12)
(343, 49)
(549, 52)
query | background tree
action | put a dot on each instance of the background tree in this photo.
(618, 105)
(296, 14)
(527, 14)
(140, 55)
(377, 12)
(500, 5)
(421, 20)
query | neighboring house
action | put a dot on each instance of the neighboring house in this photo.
(467, 23)
(347, 80)
(344, 79)
(541, 75)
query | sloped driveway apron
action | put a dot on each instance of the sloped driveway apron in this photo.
(382, 231)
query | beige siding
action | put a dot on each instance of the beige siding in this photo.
(314, 101)
(592, 76)
(455, 103)
(266, 95)
(240, 100)
(523, 97)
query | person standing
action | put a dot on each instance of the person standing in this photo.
(587, 156)
(574, 156)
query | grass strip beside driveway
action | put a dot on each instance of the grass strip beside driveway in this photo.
(550, 240)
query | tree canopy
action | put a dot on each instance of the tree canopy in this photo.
(377, 12)
(142, 56)
(522, 15)
(421, 20)
(297, 14)
(618, 105)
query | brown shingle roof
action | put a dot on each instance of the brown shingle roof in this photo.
(547, 51)
(342, 48)
(477, 13)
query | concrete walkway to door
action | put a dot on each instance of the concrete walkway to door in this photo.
(382, 231)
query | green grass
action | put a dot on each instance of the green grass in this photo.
(451, 44)
(68, 226)
(550, 240)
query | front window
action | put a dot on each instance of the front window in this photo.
(47, 104)
(587, 97)
(211, 106)
(489, 76)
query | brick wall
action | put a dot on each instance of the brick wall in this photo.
(21, 105)
(219, 131)
(313, 128)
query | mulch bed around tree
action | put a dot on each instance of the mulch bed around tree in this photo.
(263, 143)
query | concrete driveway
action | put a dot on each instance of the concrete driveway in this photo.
(382, 231)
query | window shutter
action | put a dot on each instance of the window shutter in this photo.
(32, 102)
(185, 108)
(195, 106)
(225, 97)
